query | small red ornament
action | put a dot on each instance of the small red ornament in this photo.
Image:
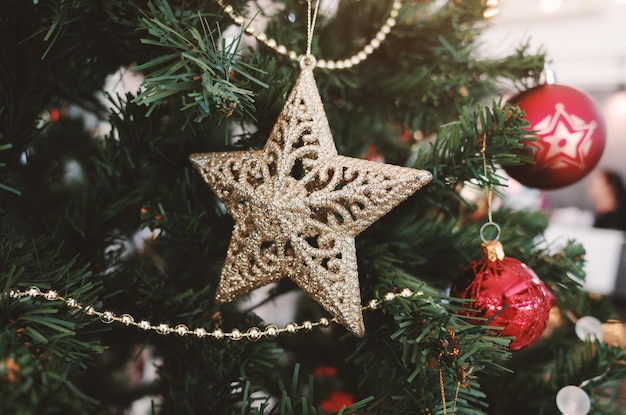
(571, 135)
(337, 401)
(507, 289)
(55, 115)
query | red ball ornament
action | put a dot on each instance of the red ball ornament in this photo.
(507, 289)
(571, 135)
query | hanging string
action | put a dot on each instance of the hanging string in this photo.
(311, 19)
(483, 151)
(442, 388)
(456, 396)
(490, 222)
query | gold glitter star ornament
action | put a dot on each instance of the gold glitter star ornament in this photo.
(298, 206)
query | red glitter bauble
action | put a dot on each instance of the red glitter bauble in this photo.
(509, 290)
(570, 132)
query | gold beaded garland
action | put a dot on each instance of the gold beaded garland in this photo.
(355, 59)
(252, 334)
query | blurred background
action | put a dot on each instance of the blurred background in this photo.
(585, 41)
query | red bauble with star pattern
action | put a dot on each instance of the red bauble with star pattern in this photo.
(505, 293)
(570, 132)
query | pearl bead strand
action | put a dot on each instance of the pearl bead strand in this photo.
(355, 59)
(252, 334)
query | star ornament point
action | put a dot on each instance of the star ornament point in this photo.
(298, 205)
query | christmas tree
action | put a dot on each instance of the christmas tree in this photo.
(141, 248)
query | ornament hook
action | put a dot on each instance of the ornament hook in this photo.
(482, 231)
(548, 75)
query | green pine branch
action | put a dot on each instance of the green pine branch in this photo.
(494, 136)
(50, 344)
(200, 65)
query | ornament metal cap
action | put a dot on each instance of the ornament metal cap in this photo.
(492, 251)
